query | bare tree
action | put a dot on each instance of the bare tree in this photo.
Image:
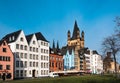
(111, 44)
(117, 27)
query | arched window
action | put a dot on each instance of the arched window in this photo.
(33, 42)
(21, 39)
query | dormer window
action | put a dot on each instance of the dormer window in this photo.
(9, 38)
(21, 39)
(13, 37)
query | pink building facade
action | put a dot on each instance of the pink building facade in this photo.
(6, 61)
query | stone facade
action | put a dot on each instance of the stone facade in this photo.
(76, 41)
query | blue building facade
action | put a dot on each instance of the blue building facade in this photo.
(69, 60)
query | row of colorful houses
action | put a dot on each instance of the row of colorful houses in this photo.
(25, 56)
(30, 54)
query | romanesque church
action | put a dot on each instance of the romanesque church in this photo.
(75, 42)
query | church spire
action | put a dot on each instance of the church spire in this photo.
(57, 45)
(76, 31)
(53, 45)
(75, 25)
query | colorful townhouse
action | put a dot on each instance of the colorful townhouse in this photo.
(56, 59)
(6, 61)
(28, 52)
(68, 56)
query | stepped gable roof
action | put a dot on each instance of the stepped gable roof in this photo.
(67, 48)
(12, 37)
(74, 36)
(39, 36)
(29, 37)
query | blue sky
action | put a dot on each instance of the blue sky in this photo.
(55, 17)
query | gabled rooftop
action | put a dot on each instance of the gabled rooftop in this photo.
(29, 37)
(39, 36)
(12, 37)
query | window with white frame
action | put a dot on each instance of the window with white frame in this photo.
(21, 39)
(17, 54)
(33, 42)
(21, 47)
(17, 63)
(17, 46)
(25, 48)
(25, 55)
(21, 55)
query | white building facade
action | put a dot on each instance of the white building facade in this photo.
(97, 63)
(27, 54)
(94, 62)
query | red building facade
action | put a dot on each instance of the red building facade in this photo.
(6, 61)
(56, 59)
(56, 62)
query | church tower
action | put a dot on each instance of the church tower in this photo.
(77, 41)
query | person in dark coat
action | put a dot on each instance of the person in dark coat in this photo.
(3, 76)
